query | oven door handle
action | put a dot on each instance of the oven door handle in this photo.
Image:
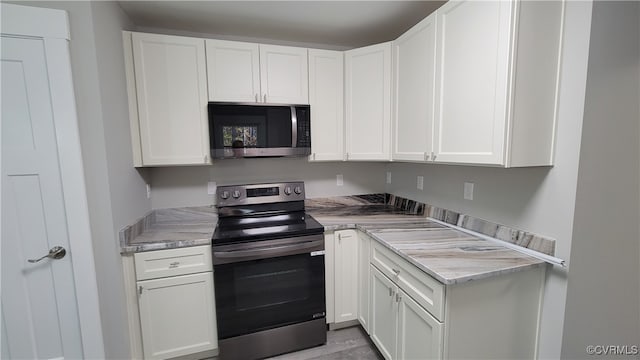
(232, 256)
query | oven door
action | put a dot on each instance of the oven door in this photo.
(267, 284)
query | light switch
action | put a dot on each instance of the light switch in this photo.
(388, 177)
(420, 182)
(468, 191)
(211, 187)
(339, 180)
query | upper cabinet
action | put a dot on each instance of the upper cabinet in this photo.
(166, 79)
(326, 97)
(368, 102)
(497, 82)
(284, 74)
(414, 65)
(233, 71)
(247, 72)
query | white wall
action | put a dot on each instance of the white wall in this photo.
(603, 296)
(187, 186)
(115, 190)
(540, 200)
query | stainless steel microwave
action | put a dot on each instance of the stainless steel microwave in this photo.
(239, 130)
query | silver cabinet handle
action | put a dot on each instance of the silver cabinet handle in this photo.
(397, 272)
(265, 98)
(140, 289)
(55, 253)
(257, 97)
(174, 265)
(390, 292)
(398, 296)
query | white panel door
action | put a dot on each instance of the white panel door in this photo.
(284, 74)
(414, 55)
(363, 280)
(472, 81)
(39, 310)
(233, 71)
(419, 333)
(384, 314)
(346, 275)
(368, 102)
(171, 88)
(177, 315)
(326, 97)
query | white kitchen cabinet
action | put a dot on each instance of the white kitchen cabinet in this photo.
(284, 74)
(247, 72)
(176, 302)
(326, 97)
(414, 65)
(368, 102)
(166, 78)
(400, 328)
(364, 247)
(346, 275)
(411, 318)
(233, 71)
(497, 82)
(341, 276)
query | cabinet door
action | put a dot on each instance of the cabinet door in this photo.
(172, 99)
(177, 315)
(346, 275)
(363, 280)
(326, 97)
(472, 81)
(384, 313)
(414, 55)
(233, 71)
(368, 102)
(284, 74)
(419, 333)
(329, 270)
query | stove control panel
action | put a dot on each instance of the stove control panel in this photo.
(232, 195)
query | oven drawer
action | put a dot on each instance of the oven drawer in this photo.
(164, 263)
(424, 289)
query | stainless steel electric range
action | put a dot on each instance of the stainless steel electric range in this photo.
(268, 258)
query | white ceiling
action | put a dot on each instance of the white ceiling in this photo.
(345, 24)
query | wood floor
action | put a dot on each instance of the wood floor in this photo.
(343, 344)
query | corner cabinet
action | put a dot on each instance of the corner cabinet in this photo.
(248, 72)
(497, 82)
(368, 102)
(326, 97)
(414, 65)
(176, 302)
(166, 80)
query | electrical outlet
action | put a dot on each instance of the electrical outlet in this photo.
(388, 177)
(420, 183)
(339, 180)
(468, 191)
(211, 187)
(148, 191)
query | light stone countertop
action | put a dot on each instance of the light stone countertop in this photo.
(448, 255)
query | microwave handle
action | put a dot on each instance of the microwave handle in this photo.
(294, 127)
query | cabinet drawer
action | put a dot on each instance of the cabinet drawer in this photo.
(425, 290)
(163, 263)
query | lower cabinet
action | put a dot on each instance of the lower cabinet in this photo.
(176, 302)
(341, 255)
(400, 328)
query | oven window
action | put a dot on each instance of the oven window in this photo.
(263, 294)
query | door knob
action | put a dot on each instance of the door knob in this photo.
(56, 252)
